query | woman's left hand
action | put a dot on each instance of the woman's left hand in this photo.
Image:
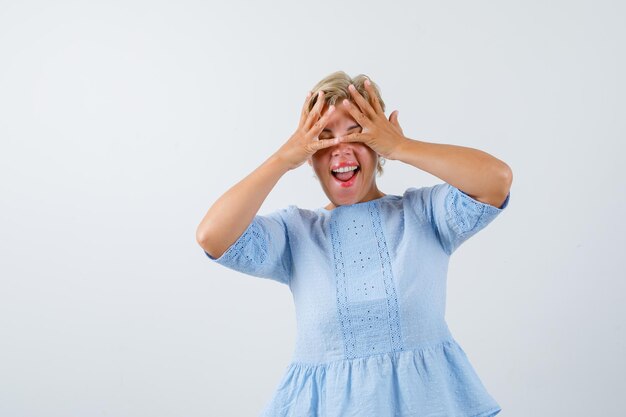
(382, 135)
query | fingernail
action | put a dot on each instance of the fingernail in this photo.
(345, 102)
(367, 81)
(351, 87)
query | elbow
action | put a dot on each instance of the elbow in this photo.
(205, 230)
(501, 176)
(212, 251)
(507, 177)
(203, 238)
(201, 234)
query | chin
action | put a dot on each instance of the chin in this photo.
(343, 197)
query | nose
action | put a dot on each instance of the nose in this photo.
(342, 148)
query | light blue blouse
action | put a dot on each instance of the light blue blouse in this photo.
(369, 285)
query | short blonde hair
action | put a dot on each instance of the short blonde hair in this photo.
(335, 87)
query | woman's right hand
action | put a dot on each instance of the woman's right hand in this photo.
(305, 142)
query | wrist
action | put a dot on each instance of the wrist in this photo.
(279, 163)
(399, 149)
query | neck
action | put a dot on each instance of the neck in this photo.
(373, 194)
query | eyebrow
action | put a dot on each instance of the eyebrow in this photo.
(350, 128)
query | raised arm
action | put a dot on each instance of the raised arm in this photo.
(475, 172)
(233, 212)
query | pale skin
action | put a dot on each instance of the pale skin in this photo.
(354, 130)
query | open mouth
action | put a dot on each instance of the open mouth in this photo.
(346, 174)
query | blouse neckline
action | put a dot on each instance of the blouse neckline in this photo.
(361, 203)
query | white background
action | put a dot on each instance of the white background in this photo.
(122, 121)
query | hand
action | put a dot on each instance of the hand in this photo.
(382, 135)
(305, 142)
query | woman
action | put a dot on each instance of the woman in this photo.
(368, 270)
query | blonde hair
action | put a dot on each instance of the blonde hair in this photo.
(335, 87)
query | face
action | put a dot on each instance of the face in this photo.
(350, 187)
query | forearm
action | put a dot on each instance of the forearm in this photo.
(477, 173)
(233, 212)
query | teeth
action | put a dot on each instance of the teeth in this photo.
(345, 169)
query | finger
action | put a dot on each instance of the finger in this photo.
(321, 144)
(315, 111)
(359, 117)
(356, 137)
(360, 100)
(318, 126)
(373, 97)
(393, 118)
(305, 108)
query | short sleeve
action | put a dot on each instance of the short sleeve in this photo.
(454, 215)
(262, 250)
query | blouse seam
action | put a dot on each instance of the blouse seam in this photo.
(289, 211)
(393, 354)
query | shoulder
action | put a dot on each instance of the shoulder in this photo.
(419, 197)
(294, 217)
(418, 201)
(425, 192)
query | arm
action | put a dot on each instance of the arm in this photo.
(233, 212)
(477, 173)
